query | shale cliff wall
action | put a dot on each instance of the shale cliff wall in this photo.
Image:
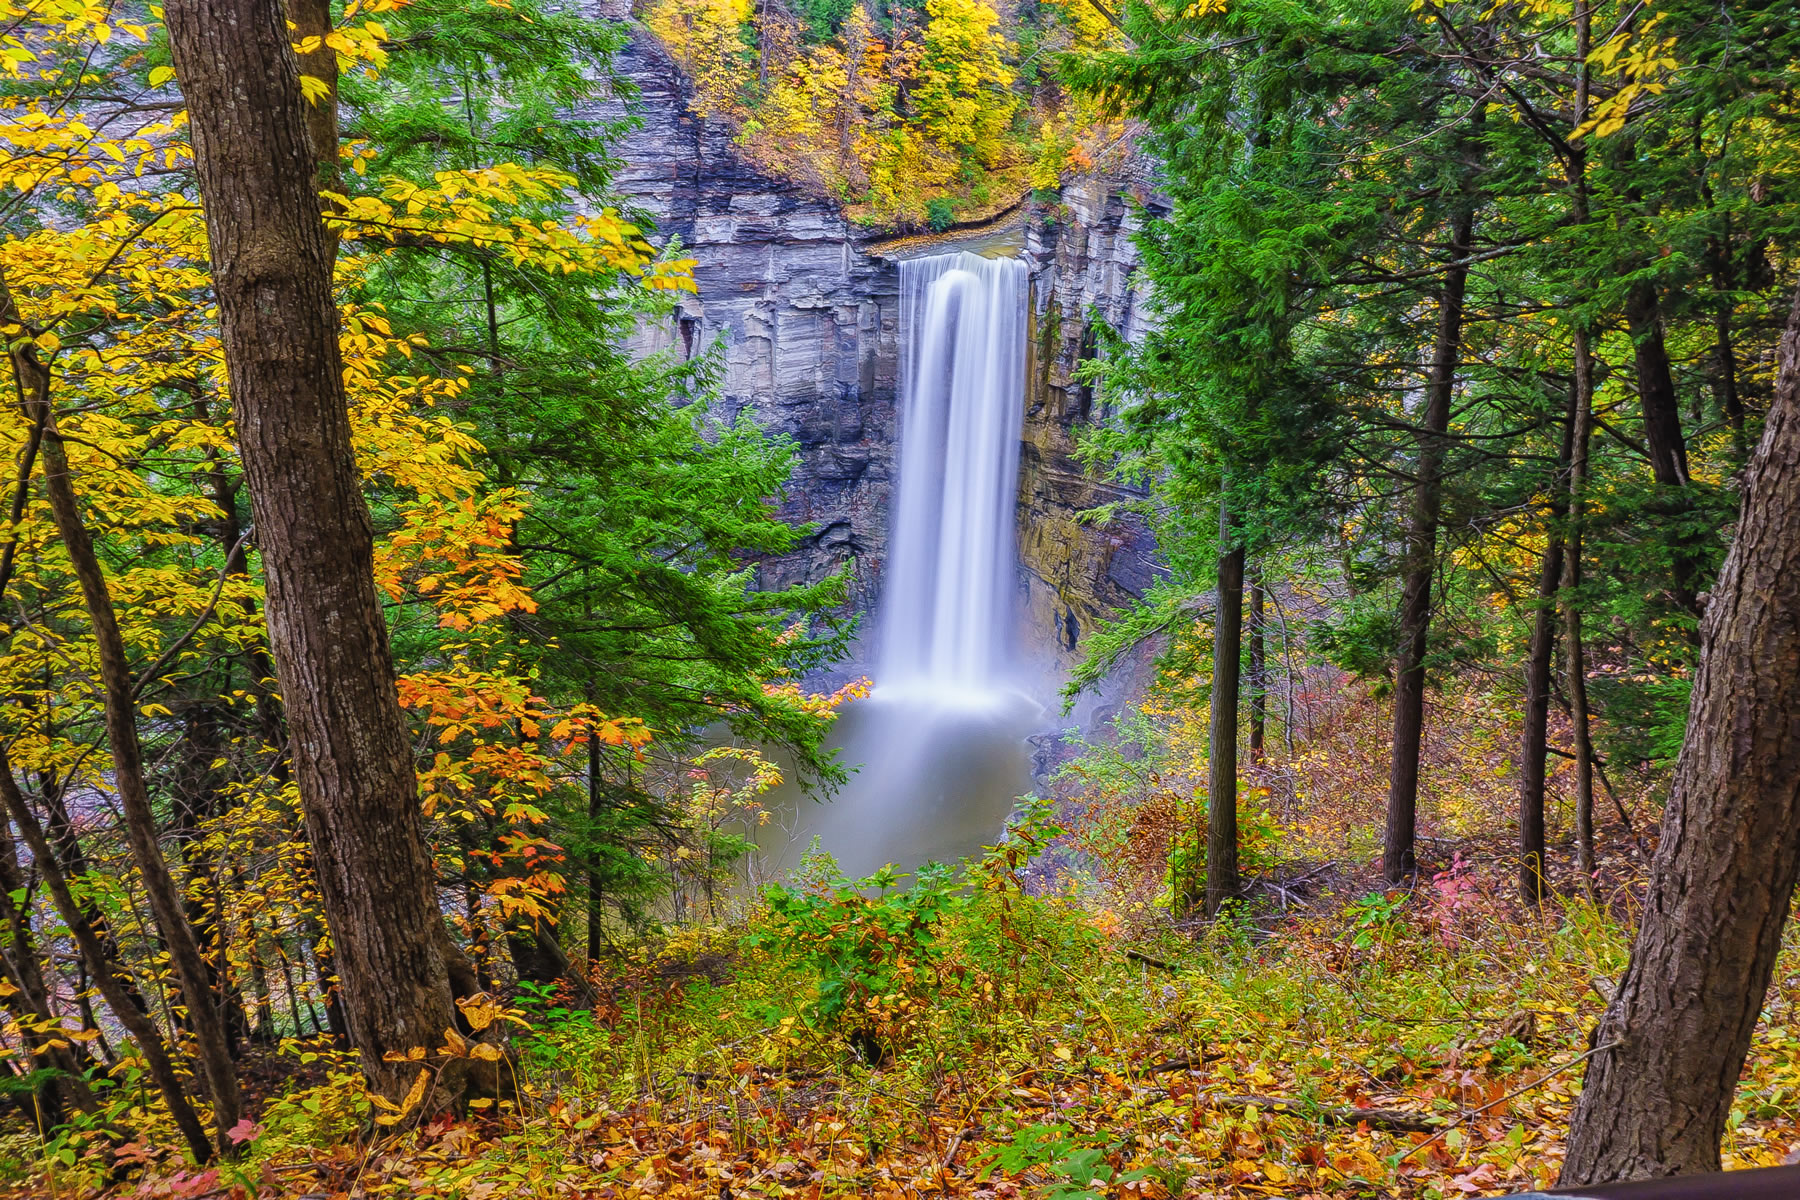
(802, 307)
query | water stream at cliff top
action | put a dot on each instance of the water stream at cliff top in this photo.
(939, 747)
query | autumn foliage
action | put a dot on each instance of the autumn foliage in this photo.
(919, 115)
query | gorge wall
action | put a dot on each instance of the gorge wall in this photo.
(803, 308)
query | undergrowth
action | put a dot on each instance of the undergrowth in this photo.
(1031, 1022)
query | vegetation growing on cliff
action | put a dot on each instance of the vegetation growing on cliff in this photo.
(906, 113)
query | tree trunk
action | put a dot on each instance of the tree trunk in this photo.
(596, 884)
(312, 18)
(136, 1022)
(1581, 425)
(1259, 673)
(1399, 860)
(1656, 387)
(1722, 882)
(1725, 364)
(272, 270)
(1222, 882)
(1533, 876)
(1662, 429)
(166, 904)
(66, 1090)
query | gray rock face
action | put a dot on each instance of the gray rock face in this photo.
(803, 310)
(1074, 572)
(804, 321)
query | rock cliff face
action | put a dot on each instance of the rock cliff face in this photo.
(803, 308)
(1075, 572)
(803, 319)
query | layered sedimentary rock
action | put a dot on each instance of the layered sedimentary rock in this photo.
(802, 308)
(803, 320)
(1075, 570)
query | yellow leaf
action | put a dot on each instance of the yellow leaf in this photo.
(416, 1093)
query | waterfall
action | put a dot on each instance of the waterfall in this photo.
(946, 611)
(938, 751)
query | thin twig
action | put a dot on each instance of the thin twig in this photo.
(1470, 1116)
(180, 643)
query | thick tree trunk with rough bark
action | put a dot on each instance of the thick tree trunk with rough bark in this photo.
(272, 270)
(1722, 882)
(1222, 881)
(1399, 860)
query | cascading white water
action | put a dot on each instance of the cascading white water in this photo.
(938, 750)
(962, 377)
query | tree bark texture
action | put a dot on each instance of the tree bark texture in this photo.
(1722, 882)
(272, 270)
(1399, 860)
(1222, 881)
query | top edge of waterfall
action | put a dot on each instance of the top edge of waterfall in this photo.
(1004, 239)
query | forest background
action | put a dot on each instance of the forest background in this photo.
(1470, 319)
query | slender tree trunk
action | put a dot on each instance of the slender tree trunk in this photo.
(198, 799)
(259, 987)
(136, 1022)
(141, 833)
(1539, 662)
(1222, 881)
(312, 18)
(596, 886)
(1662, 430)
(1656, 387)
(330, 993)
(272, 270)
(1722, 883)
(1581, 425)
(1259, 672)
(1399, 860)
(66, 1089)
(1725, 364)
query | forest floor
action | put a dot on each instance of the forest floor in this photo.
(1007, 1031)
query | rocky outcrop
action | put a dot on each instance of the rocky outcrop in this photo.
(802, 307)
(802, 318)
(1075, 572)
